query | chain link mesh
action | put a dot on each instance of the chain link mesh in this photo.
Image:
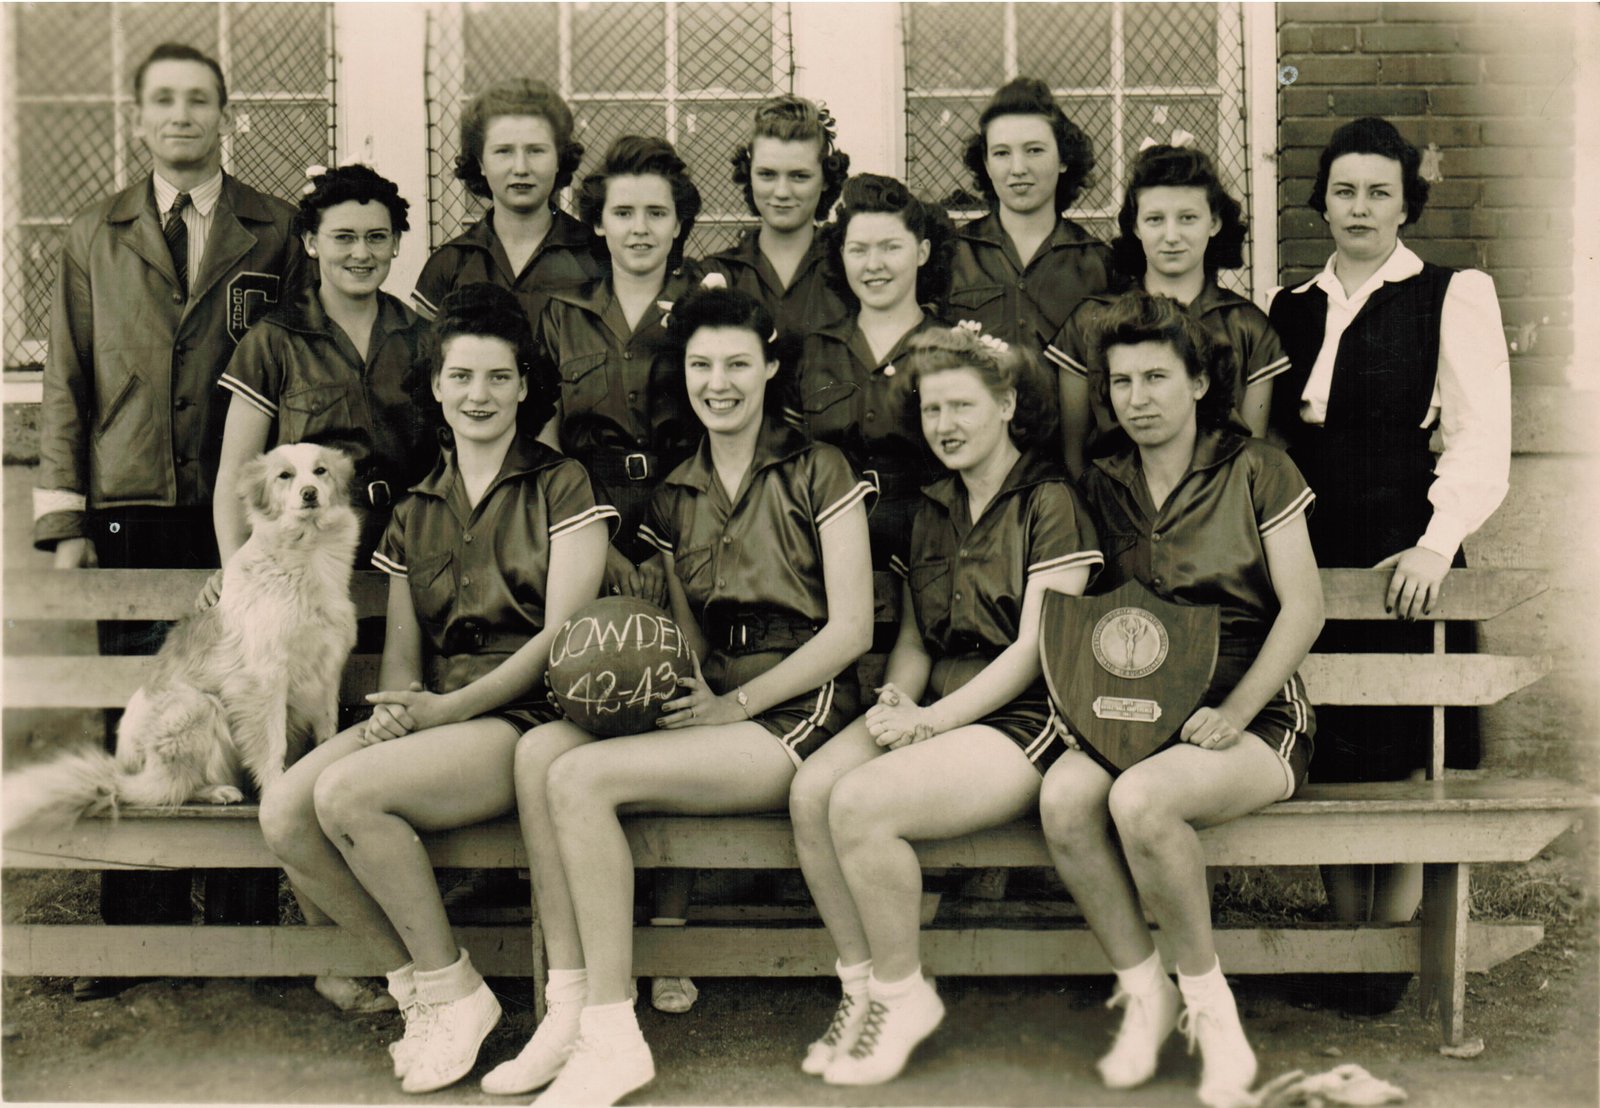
(1122, 72)
(68, 96)
(689, 71)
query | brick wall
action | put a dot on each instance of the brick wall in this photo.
(1491, 86)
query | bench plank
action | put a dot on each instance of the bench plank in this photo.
(89, 681)
(1469, 594)
(291, 951)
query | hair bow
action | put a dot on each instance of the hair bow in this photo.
(713, 281)
(1180, 138)
(991, 343)
(312, 173)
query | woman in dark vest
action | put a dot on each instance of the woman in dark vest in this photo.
(1397, 409)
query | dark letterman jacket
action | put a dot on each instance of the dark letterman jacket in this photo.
(131, 412)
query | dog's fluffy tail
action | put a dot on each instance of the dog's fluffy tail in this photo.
(88, 782)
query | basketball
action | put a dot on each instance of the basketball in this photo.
(614, 663)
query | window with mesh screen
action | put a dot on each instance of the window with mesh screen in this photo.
(69, 140)
(1122, 72)
(689, 71)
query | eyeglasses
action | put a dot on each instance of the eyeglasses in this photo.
(377, 241)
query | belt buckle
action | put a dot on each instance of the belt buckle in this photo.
(637, 467)
(872, 475)
(378, 494)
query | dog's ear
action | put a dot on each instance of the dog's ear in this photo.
(255, 485)
(342, 468)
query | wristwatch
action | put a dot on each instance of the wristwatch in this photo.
(744, 701)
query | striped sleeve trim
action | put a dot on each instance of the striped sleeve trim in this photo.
(856, 495)
(583, 519)
(1268, 371)
(49, 501)
(1298, 505)
(426, 308)
(387, 564)
(1065, 361)
(794, 419)
(1077, 560)
(655, 540)
(248, 395)
(897, 565)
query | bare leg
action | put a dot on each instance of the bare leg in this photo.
(1077, 829)
(809, 799)
(372, 803)
(1157, 806)
(536, 751)
(961, 781)
(711, 771)
(316, 869)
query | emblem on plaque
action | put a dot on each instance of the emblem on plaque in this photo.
(1126, 669)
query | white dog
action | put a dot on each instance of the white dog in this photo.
(233, 683)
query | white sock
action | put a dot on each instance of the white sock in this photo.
(566, 985)
(610, 1021)
(1204, 988)
(1144, 978)
(854, 978)
(453, 982)
(403, 982)
(895, 990)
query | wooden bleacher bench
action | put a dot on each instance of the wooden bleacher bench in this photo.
(1445, 824)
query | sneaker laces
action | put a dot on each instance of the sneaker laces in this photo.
(871, 1027)
(1136, 1011)
(841, 1017)
(1188, 1025)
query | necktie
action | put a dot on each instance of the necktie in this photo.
(177, 236)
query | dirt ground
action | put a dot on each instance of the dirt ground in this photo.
(1005, 1041)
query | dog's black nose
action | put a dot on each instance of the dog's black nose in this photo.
(309, 494)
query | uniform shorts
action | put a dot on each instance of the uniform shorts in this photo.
(527, 715)
(802, 723)
(1031, 722)
(1286, 724)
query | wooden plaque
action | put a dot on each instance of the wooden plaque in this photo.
(1126, 669)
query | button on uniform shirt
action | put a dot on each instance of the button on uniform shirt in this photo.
(477, 576)
(861, 403)
(761, 548)
(1470, 409)
(968, 576)
(1205, 545)
(1258, 354)
(565, 258)
(1026, 302)
(198, 214)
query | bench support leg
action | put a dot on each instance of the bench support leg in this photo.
(1445, 906)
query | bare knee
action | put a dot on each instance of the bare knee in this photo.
(1072, 811)
(855, 812)
(1142, 813)
(288, 816)
(809, 796)
(343, 799)
(536, 752)
(574, 784)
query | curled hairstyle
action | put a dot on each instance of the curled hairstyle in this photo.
(1031, 96)
(517, 96)
(489, 311)
(360, 183)
(795, 119)
(179, 52)
(1136, 317)
(1371, 135)
(642, 156)
(868, 192)
(1178, 167)
(733, 310)
(1000, 366)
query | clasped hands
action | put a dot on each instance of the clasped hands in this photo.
(897, 720)
(400, 712)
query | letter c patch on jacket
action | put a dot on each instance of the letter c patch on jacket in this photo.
(249, 296)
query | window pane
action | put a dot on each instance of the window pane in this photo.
(954, 46)
(281, 140)
(707, 134)
(1170, 44)
(278, 48)
(146, 26)
(939, 130)
(1094, 116)
(68, 162)
(619, 48)
(1065, 45)
(598, 125)
(42, 28)
(725, 46)
(511, 40)
(38, 257)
